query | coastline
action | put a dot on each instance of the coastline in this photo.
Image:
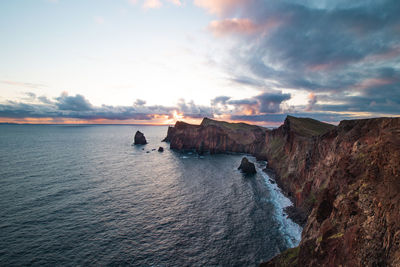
(294, 213)
(289, 227)
(338, 178)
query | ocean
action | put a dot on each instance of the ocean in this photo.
(84, 196)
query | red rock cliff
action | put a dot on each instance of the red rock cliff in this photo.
(217, 137)
(347, 178)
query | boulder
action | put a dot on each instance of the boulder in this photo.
(247, 167)
(140, 139)
(160, 149)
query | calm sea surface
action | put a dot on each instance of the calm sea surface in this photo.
(84, 196)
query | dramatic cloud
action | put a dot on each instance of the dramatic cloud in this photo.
(346, 54)
(78, 107)
(268, 102)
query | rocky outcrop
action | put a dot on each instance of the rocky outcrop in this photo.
(139, 139)
(160, 149)
(247, 167)
(344, 179)
(217, 137)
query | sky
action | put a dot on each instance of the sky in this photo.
(159, 61)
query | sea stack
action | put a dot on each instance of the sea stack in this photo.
(140, 139)
(247, 167)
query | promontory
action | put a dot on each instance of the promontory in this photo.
(344, 180)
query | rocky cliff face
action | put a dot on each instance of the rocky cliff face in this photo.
(216, 137)
(345, 178)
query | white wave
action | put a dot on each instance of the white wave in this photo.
(290, 230)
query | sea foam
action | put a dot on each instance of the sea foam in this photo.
(290, 230)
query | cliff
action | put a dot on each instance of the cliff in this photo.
(216, 137)
(345, 179)
(351, 185)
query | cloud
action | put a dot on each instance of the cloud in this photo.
(78, 107)
(139, 102)
(266, 108)
(232, 26)
(148, 4)
(220, 100)
(266, 102)
(270, 102)
(194, 111)
(22, 84)
(312, 100)
(346, 52)
(220, 7)
(73, 103)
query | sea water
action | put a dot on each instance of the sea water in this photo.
(84, 196)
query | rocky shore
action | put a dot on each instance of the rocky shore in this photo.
(344, 181)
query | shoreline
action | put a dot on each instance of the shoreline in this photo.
(290, 228)
(296, 214)
(334, 175)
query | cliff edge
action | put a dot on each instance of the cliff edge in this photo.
(345, 179)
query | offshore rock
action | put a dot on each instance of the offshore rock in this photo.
(247, 167)
(140, 139)
(160, 149)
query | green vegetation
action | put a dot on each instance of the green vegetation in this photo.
(288, 257)
(338, 235)
(230, 126)
(308, 127)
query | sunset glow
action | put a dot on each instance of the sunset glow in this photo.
(156, 62)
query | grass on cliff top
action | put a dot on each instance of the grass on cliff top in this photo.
(308, 126)
(229, 125)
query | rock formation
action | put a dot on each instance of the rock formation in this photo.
(344, 179)
(160, 149)
(216, 137)
(140, 139)
(247, 167)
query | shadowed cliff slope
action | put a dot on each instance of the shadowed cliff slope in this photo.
(346, 178)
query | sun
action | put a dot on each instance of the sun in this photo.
(177, 116)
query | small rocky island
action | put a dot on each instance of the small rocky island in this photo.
(247, 167)
(139, 139)
(344, 179)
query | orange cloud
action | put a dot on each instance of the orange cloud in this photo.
(232, 26)
(219, 7)
(241, 26)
